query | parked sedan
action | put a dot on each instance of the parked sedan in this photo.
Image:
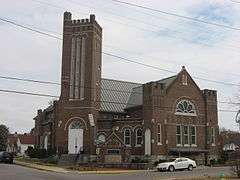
(178, 163)
(6, 157)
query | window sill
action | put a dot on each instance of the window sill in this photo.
(77, 99)
(179, 145)
(138, 145)
(213, 144)
(185, 114)
(159, 144)
(186, 145)
(128, 145)
(193, 145)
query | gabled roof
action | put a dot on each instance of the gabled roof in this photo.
(136, 97)
(115, 94)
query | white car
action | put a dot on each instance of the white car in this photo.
(178, 163)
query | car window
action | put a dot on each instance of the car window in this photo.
(178, 160)
(184, 159)
(173, 159)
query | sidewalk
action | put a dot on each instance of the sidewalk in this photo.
(41, 167)
(63, 170)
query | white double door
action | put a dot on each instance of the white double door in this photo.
(75, 141)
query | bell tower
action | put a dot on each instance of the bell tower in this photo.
(81, 60)
(79, 101)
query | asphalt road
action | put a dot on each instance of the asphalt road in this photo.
(15, 172)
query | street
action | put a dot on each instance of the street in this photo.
(15, 172)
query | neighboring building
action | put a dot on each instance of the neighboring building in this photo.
(24, 141)
(230, 147)
(12, 143)
(230, 140)
(116, 121)
(18, 143)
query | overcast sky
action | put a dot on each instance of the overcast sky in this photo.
(153, 38)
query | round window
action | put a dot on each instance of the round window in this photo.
(101, 138)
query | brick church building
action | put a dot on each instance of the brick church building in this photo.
(116, 121)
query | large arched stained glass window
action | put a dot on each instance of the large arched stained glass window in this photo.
(186, 107)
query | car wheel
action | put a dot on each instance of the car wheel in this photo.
(190, 167)
(171, 168)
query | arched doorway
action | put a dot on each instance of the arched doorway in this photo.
(75, 137)
(147, 142)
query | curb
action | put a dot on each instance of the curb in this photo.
(41, 167)
(63, 170)
(109, 172)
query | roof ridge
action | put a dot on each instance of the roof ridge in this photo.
(120, 81)
(166, 78)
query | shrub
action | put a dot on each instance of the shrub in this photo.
(36, 153)
(53, 160)
(139, 160)
(41, 153)
(30, 152)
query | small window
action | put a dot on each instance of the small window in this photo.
(127, 137)
(185, 135)
(115, 116)
(139, 137)
(159, 134)
(184, 80)
(178, 135)
(193, 135)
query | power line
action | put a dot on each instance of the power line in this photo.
(167, 60)
(56, 37)
(176, 15)
(142, 29)
(29, 80)
(28, 28)
(139, 63)
(85, 87)
(111, 102)
(27, 93)
(120, 57)
(154, 67)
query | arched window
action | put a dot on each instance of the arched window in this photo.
(127, 137)
(186, 107)
(139, 137)
(76, 125)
